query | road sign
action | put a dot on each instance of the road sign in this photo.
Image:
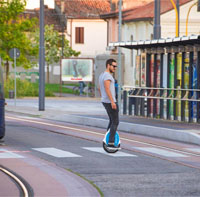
(12, 52)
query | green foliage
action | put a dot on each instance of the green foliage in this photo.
(56, 88)
(13, 32)
(53, 45)
(68, 51)
(24, 88)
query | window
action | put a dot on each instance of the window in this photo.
(79, 35)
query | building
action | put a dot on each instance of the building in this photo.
(86, 31)
(79, 21)
(137, 24)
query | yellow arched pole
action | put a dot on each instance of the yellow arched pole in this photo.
(186, 33)
(176, 16)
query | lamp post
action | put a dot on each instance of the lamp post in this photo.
(41, 60)
(177, 18)
(157, 27)
(119, 56)
(178, 12)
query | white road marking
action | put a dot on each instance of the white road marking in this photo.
(197, 150)
(160, 152)
(117, 154)
(5, 154)
(56, 152)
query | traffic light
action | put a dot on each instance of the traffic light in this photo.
(198, 6)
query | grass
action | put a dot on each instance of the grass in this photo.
(28, 89)
(90, 182)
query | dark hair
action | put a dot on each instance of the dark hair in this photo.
(110, 61)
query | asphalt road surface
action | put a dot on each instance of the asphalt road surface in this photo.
(134, 171)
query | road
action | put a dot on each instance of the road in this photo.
(144, 167)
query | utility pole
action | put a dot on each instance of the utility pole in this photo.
(62, 17)
(178, 10)
(157, 27)
(41, 60)
(119, 56)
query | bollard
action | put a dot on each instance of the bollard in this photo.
(11, 94)
(130, 105)
(124, 102)
(2, 118)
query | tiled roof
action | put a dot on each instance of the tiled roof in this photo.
(85, 8)
(129, 7)
(147, 12)
(50, 17)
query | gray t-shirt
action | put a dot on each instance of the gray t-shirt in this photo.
(103, 77)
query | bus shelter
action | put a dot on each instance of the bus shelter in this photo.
(167, 83)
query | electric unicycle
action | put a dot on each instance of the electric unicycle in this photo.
(116, 143)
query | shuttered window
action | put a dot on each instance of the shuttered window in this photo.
(79, 35)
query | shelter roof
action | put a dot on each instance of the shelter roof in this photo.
(169, 42)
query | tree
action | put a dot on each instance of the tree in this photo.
(14, 33)
(53, 49)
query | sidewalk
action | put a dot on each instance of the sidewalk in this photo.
(89, 111)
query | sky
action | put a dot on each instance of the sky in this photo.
(32, 4)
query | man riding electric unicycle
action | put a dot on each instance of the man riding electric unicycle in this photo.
(111, 142)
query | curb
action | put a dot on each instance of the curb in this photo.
(152, 131)
(186, 136)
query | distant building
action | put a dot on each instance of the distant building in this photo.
(137, 24)
(82, 24)
(86, 31)
(79, 21)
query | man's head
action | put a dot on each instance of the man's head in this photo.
(111, 65)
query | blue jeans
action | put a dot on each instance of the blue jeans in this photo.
(113, 115)
(81, 87)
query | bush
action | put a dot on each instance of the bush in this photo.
(24, 88)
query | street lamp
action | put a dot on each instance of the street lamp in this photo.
(177, 21)
(157, 28)
(196, 3)
(41, 60)
(119, 56)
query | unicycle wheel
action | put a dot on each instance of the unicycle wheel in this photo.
(105, 147)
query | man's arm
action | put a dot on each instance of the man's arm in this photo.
(107, 89)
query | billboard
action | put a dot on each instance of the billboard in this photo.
(171, 85)
(194, 86)
(137, 71)
(186, 85)
(179, 79)
(151, 79)
(77, 69)
(158, 84)
(143, 70)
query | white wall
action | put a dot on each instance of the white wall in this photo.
(168, 21)
(95, 36)
(32, 4)
(139, 31)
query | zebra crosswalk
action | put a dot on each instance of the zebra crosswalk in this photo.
(5, 154)
(58, 153)
(196, 150)
(117, 154)
(161, 152)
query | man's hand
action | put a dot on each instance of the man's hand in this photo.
(113, 105)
